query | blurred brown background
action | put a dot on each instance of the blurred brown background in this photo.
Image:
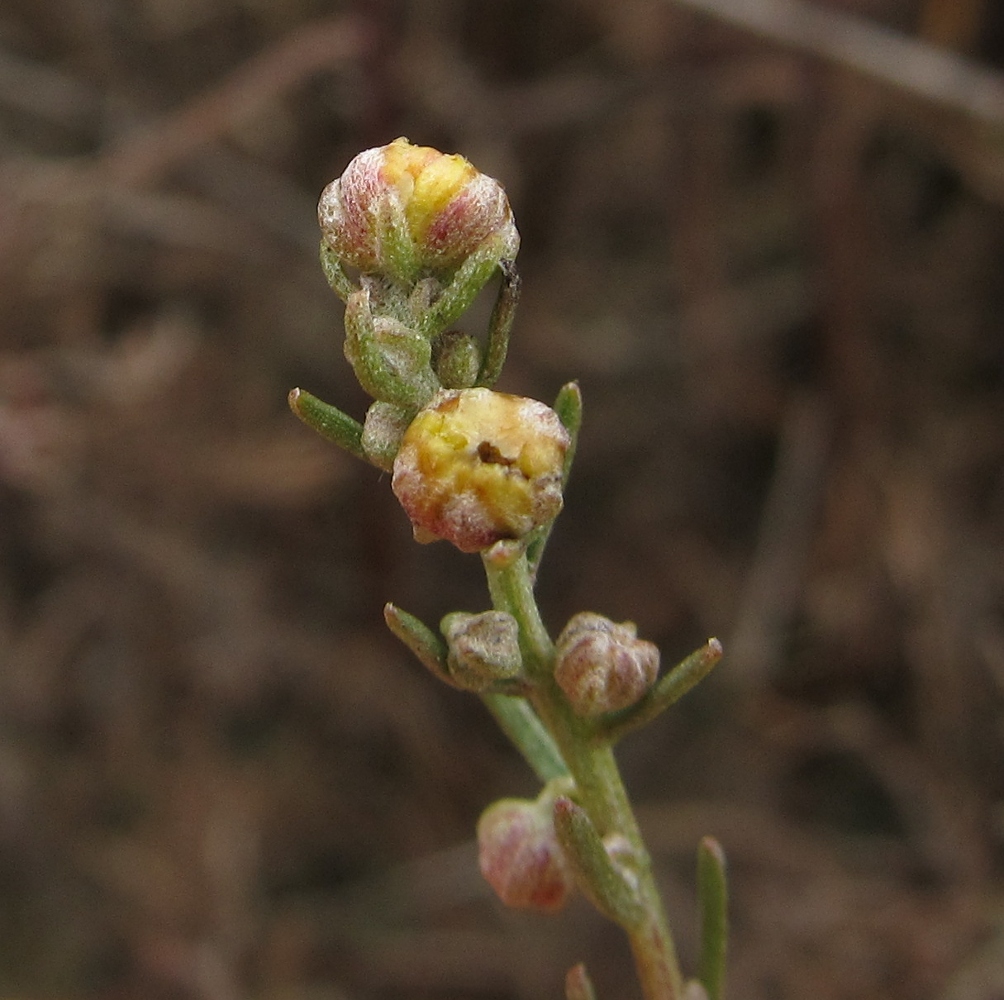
(772, 254)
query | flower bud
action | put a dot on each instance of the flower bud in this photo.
(483, 648)
(478, 466)
(520, 856)
(383, 429)
(602, 666)
(401, 210)
(391, 361)
(456, 359)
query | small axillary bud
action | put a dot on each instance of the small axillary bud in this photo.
(520, 857)
(483, 649)
(383, 429)
(478, 466)
(456, 359)
(403, 210)
(602, 666)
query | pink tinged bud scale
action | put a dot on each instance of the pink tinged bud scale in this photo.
(477, 466)
(401, 209)
(520, 857)
(602, 666)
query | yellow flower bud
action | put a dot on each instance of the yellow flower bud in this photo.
(477, 466)
(403, 210)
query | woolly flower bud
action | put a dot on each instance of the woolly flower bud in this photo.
(520, 856)
(602, 666)
(483, 648)
(401, 209)
(382, 432)
(477, 466)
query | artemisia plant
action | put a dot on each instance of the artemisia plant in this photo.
(410, 236)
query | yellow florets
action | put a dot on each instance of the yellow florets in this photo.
(477, 466)
(426, 180)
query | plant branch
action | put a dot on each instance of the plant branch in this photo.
(599, 789)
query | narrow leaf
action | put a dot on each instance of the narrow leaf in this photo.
(330, 422)
(595, 873)
(712, 896)
(334, 273)
(500, 324)
(668, 690)
(427, 646)
(568, 406)
(457, 296)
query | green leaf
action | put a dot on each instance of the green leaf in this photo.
(712, 897)
(335, 274)
(668, 690)
(330, 422)
(457, 297)
(568, 406)
(428, 647)
(601, 882)
(500, 324)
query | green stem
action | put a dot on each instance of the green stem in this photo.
(511, 588)
(599, 787)
(523, 727)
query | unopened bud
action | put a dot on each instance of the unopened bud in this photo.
(483, 648)
(392, 362)
(520, 856)
(383, 429)
(401, 210)
(456, 359)
(602, 666)
(478, 466)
